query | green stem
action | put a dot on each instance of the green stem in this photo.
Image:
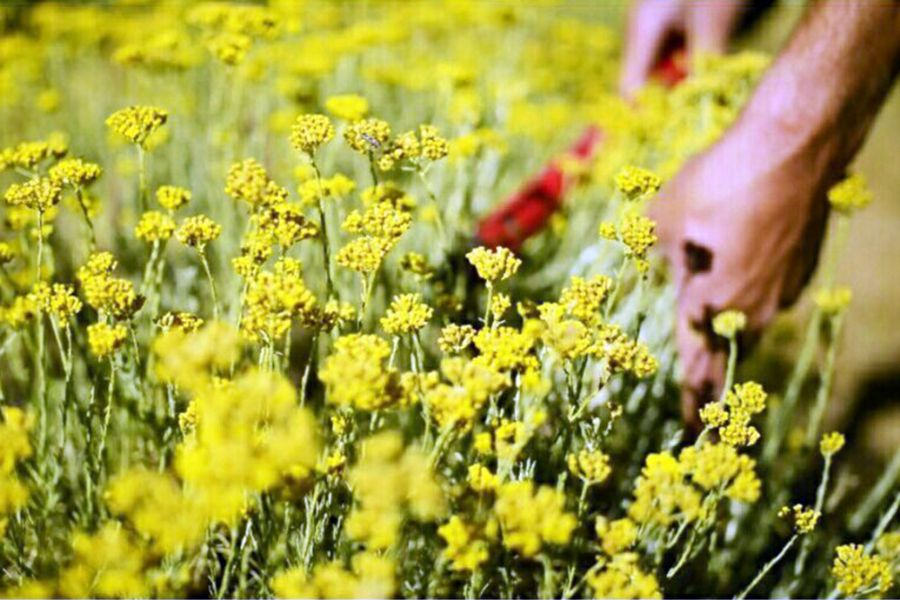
(326, 247)
(818, 412)
(732, 365)
(142, 178)
(212, 284)
(768, 567)
(79, 197)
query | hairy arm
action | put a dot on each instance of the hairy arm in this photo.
(756, 200)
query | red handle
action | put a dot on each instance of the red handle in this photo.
(527, 212)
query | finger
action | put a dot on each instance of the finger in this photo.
(648, 27)
(702, 362)
(666, 210)
(711, 23)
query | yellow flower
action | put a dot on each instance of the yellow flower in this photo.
(355, 373)
(172, 197)
(636, 183)
(310, 132)
(833, 301)
(616, 536)
(104, 339)
(494, 265)
(465, 551)
(638, 234)
(858, 574)
(106, 564)
(37, 194)
(803, 518)
(481, 479)
(198, 231)
(831, 443)
(137, 123)
(367, 136)
(75, 172)
(406, 314)
(729, 323)
(154, 226)
(592, 466)
(532, 518)
(59, 300)
(622, 577)
(349, 107)
(850, 194)
(456, 338)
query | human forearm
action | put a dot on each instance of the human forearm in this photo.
(822, 93)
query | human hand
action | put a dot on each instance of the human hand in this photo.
(656, 26)
(741, 225)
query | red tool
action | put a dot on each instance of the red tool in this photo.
(527, 211)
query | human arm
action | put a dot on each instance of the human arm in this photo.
(756, 200)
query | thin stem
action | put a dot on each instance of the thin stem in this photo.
(326, 247)
(807, 541)
(732, 364)
(437, 208)
(79, 197)
(818, 412)
(212, 284)
(40, 248)
(768, 567)
(487, 307)
(110, 393)
(779, 419)
(142, 178)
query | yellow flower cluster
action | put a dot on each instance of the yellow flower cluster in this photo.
(371, 576)
(40, 194)
(380, 228)
(465, 550)
(388, 482)
(622, 577)
(274, 299)
(198, 231)
(850, 194)
(254, 425)
(470, 385)
(414, 146)
(456, 338)
(349, 107)
(355, 375)
(803, 518)
(636, 183)
(106, 564)
(74, 172)
(531, 519)
(28, 155)
(368, 136)
(831, 443)
(154, 226)
(284, 223)
(833, 301)
(249, 181)
(406, 314)
(729, 323)
(16, 447)
(137, 123)
(107, 294)
(616, 536)
(592, 466)
(310, 132)
(58, 300)
(732, 416)
(105, 339)
(172, 197)
(494, 265)
(860, 574)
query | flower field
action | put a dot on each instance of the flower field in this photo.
(251, 347)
